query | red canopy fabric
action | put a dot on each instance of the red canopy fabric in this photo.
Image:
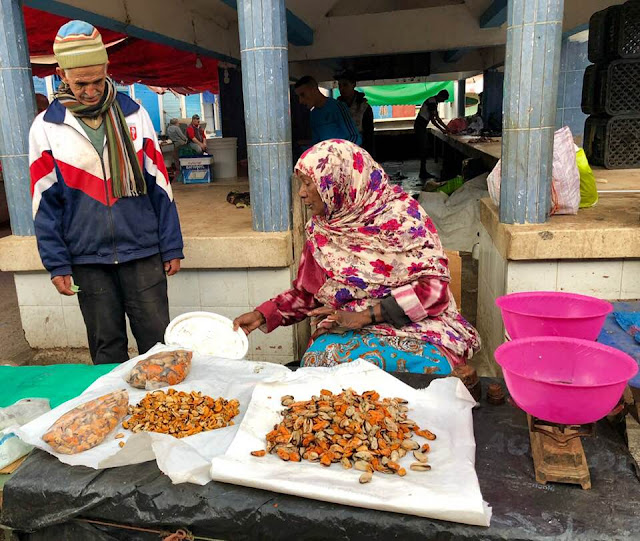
(131, 60)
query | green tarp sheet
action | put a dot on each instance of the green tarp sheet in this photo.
(409, 94)
(57, 382)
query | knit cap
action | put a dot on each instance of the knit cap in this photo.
(79, 44)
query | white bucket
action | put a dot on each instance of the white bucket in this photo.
(225, 156)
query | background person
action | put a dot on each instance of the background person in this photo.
(196, 136)
(330, 119)
(359, 108)
(428, 114)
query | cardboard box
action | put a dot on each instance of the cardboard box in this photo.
(196, 170)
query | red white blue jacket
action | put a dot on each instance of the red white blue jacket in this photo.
(77, 219)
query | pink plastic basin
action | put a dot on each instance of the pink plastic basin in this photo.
(551, 313)
(565, 380)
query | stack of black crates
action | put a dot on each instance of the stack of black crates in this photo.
(611, 88)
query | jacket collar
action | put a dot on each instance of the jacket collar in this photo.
(56, 112)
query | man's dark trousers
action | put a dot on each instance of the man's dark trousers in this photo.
(137, 288)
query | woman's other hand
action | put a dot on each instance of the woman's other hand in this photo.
(248, 322)
(340, 318)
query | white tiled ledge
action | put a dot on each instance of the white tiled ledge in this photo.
(252, 250)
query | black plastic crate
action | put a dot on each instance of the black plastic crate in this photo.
(626, 30)
(615, 32)
(598, 34)
(613, 142)
(612, 88)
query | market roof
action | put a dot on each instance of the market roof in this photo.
(131, 60)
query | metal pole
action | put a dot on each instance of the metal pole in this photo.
(462, 101)
(265, 85)
(17, 110)
(532, 65)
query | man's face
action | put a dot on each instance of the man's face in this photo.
(347, 88)
(306, 94)
(87, 83)
(195, 122)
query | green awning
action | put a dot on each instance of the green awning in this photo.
(409, 94)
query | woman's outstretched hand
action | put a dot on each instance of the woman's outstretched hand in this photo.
(248, 322)
(340, 318)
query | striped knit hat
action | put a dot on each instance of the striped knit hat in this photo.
(79, 44)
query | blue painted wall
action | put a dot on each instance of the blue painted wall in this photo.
(149, 100)
(192, 103)
(573, 62)
(40, 86)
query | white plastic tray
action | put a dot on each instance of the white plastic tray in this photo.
(208, 334)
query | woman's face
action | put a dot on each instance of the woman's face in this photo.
(310, 196)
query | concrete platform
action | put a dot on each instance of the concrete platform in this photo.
(611, 229)
(216, 234)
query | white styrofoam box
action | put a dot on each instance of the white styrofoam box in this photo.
(279, 342)
(183, 289)
(630, 279)
(194, 162)
(44, 326)
(531, 276)
(36, 289)
(265, 284)
(75, 327)
(598, 278)
(223, 287)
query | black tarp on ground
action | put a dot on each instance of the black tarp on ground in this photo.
(44, 492)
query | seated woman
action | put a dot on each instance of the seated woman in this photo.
(373, 268)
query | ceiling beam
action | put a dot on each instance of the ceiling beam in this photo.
(495, 15)
(453, 56)
(298, 32)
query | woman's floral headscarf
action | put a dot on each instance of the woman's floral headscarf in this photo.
(373, 236)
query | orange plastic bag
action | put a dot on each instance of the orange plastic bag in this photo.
(161, 369)
(87, 425)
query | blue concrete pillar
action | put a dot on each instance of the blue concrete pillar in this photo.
(462, 100)
(532, 65)
(17, 110)
(265, 84)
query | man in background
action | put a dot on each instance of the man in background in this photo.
(428, 114)
(330, 119)
(196, 136)
(359, 108)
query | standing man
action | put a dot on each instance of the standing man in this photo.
(428, 113)
(196, 136)
(102, 204)
(359, 108)
(330, 119)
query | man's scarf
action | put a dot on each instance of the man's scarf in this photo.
(126, 173)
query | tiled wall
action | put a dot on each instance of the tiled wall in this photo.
(610, 279)
(52, 320)
(572, 65)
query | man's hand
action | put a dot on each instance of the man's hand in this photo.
(172, 267)
(248, 322)
(341, 318)
(63, 285)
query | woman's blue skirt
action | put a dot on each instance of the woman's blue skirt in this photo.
(391, 353)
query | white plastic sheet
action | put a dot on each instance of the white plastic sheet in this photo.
(183, 460)
(450, 491)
